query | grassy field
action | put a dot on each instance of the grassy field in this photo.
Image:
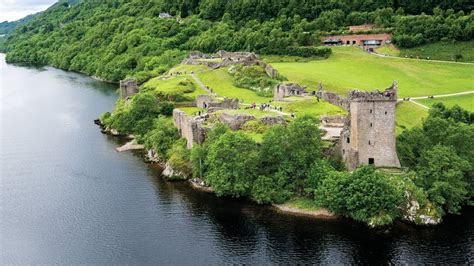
(443, 51)
(409, 115)
(220, 81)
(350, 68)
(181, 84)
(188, 68)
(465, 101)
(254, 112)
(191, 110)
(309, 106)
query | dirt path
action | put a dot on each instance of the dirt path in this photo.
(200, 83)
(442, 95)
(413, 99)
(420, 59)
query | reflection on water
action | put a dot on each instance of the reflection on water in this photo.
(67, 197)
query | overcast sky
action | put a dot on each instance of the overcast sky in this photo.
(15, 9)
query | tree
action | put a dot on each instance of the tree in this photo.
(162, 137)
(364, 195)
(232, 162)
(442, 173)
(304, 139)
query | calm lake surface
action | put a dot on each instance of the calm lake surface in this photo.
(67, 197)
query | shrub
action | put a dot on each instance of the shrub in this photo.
(162, 137)
(179, 159)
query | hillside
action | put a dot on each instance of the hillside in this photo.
(350, 68)
(6, 27)
(113, 39)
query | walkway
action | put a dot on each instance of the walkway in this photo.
(421, 59)
(412, 99)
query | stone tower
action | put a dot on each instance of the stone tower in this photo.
(369, 134)
(128, 88)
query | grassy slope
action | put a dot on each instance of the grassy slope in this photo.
(442, 51)
(220, 81)
(172, 86)
(188, 68)
(309, 106)
(350, 68)
(465, 101)
(409, 115)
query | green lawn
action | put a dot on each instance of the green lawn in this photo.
(192, 111)
(465, 101)
(220, 81)
(443, 51)
(254, 112)
(188, 68)
(309, 106)
(175, 85)
(409, 115)
(350, 68)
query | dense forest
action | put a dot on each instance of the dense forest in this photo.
(115, 38)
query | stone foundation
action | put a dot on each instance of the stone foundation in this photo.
(283, 90)
(234, 122)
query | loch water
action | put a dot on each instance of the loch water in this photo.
(67, 197)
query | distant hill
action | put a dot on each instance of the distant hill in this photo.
(8, 26)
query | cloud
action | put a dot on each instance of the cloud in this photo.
(11, 10)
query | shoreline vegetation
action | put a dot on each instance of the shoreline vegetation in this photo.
(293, 207)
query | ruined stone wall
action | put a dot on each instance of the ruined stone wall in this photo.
(189, 128)
(332, 98)
(286, 90)
(234, 122)
(203, 101)
(334, 119)
(224, 104)
(237, 55)
(128, 88)
(273, 120)
(229, 58)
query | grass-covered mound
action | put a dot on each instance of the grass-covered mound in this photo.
(177, 89)
(222, 83)
(253, 78)
(350, 68)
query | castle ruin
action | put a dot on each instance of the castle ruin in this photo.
(128, 87)
(282, 91)
(228, 59)
(368, 136)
